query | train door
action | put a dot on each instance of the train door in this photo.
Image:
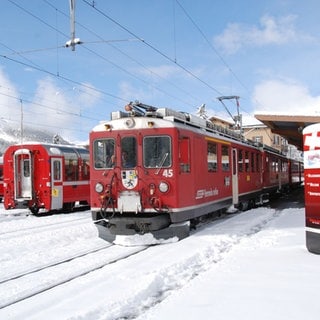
(23, 175)
(56, 184)
(235, 179)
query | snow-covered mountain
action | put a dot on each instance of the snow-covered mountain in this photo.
(12, 135)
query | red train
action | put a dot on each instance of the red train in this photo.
(155, 170)
(1, 179)
(46, 177)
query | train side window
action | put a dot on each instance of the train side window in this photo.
(225, 158)
(128, 152)
(104, 153)
(184, 154)
(212, 157)
(157, 152)
(274, 165)
(85, 164)
(26, 168)
(247, 161)
(253, 164)
(284, 166)
(57, 170)
(266, 165)
(258, 162)
(71, 166)
(240, 161)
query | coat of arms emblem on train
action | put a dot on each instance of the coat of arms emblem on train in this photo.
(129, 178)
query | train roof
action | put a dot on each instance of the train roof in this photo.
(52, 149)
(138, 112)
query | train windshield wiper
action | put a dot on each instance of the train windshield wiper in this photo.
(162, 162)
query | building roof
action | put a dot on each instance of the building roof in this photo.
(289, 127)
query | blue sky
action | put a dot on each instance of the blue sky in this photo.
(174, 53)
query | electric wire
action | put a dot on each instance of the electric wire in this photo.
(107, 60)
(98, 55)
(92, 5)
(109, 42)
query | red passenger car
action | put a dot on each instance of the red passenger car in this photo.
(276, 171)
(155, 170)
(46, 177)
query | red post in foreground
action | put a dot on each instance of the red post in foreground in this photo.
(311, 147)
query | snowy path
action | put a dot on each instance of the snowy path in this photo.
(128, 288)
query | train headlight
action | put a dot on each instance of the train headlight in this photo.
(130, 123)
(108, 127)
(99, 187)
(163, 187)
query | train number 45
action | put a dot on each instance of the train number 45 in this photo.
(168, 173)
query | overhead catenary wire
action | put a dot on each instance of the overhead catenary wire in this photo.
(153, 48)
(136, 38)
(110, 43)
(100, 56)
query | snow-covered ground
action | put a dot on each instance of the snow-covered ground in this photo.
(253, 265)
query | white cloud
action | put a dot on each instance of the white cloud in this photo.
(132, 93)
(52, 108)
(285, 97)
(9, 99)
(271, 30)
(61, 109)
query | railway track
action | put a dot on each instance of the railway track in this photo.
(36, 268)
(33, 282)
(110, 267)
(18, 232)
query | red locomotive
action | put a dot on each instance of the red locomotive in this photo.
(46, 177)
(1, 179)
(155, 170)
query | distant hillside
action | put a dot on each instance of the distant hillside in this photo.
(10, 135)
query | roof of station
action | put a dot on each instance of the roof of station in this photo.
(289, 127)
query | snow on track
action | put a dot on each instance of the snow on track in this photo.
(126, 288)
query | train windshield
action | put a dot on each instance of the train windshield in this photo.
(128, 152)
(104, 153)
(157, 152)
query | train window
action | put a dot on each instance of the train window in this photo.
(212, 157)
(85, 167)
(184, 154)
(284, 166)
(253, 164)
(128, 152)
(71, 166)
(57, 170)
(258, 162)
(240, 161)
(274, 165)
(26, 168)
(157, 152)
(104, 153)
(247, 160)
(225, 158)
